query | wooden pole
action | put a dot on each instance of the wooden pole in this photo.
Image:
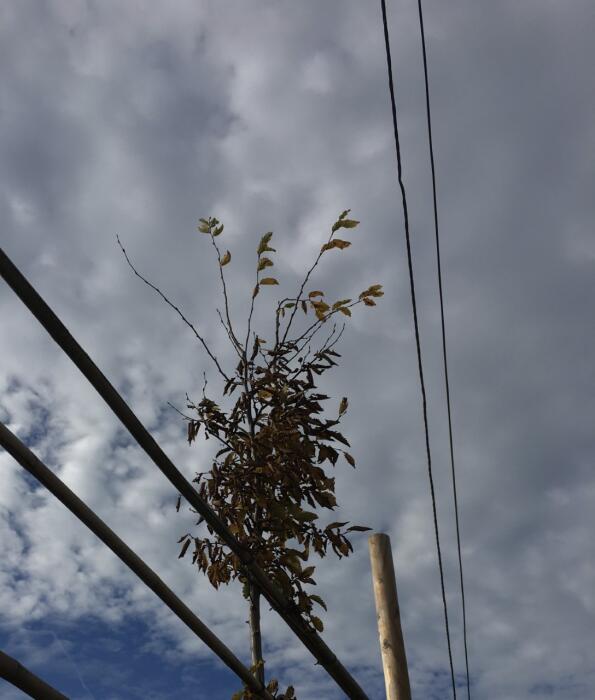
(392, 648)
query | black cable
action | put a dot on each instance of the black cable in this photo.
(452, 458)
(417, 340)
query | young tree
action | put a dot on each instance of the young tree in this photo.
(269, 465)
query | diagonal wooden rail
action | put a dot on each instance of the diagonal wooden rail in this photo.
(286, 609)
(23, 679)
(58, 488)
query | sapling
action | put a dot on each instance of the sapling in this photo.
(267, 480)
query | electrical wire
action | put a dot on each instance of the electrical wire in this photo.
(417, 339)
(447, 384)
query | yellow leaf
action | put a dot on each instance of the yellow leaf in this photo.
(264, 242)
(269, 280)
(341, 244)
(264, 262)
(315, 294)
(347, 312)
(255, 292)
(343, 406)
(369, 302)
(317, 622)
(204, 228)
(349, 458)
(225, 259)
(337, 304)
(345, 223)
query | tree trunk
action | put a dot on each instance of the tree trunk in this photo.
(255, 638)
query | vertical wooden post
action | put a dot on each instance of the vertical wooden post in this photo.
(392, 648)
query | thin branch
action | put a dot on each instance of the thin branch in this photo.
(230, 335)
(302, 288)
(233, 338)
(176, 309)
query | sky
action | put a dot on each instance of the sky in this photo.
(136, 119)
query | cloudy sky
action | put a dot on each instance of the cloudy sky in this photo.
(137, 119)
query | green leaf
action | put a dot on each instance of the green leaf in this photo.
(225, 259)
(317, 622)
(218, 230)
(204, 228)
(268, 280)
(344, 214)
(318, 599)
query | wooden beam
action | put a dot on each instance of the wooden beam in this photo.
(16, 674)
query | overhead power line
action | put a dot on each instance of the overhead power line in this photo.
(286, 609)
(417, 339)
(58, 488)
(447, 384)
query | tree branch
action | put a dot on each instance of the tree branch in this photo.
(176, 309)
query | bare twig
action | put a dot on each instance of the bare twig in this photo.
(186, 321)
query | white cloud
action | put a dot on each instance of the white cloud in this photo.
(117, 120)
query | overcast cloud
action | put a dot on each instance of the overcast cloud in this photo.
(136, 119)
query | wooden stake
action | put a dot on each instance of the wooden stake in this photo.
(392, 648)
